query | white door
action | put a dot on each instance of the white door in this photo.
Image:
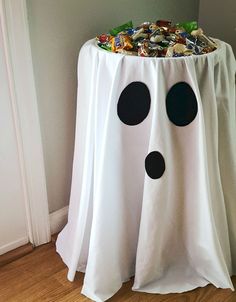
(13, 222)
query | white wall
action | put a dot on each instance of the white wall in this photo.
(58, 28)
(218, 19)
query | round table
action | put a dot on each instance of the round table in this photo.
(154, 175)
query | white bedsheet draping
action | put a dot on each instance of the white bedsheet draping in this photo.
(153, 188)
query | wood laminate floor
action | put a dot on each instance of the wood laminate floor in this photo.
(41, 276)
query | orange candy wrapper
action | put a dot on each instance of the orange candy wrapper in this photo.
(121, 42)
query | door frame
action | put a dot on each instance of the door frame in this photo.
(17, 49)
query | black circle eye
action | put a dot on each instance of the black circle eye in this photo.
(181, 104)
(134, 103)
(155, 165)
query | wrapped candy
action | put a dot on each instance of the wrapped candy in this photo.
(121, 42)
(139, 34)
(157, 39)
(200, 35)
(188, 26)
(170, 51)
(143, 50)
(163, 23)
(179, 48)
(120, 28)
(103, 38)
(153, 27)
(127, 52)
(145, 25)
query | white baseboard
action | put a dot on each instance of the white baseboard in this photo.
(58, 220)
(13, 245)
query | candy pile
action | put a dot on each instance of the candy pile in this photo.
(159, 39)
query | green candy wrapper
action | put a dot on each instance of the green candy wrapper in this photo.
(188, 26)
(105, 47)
(120, 28)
